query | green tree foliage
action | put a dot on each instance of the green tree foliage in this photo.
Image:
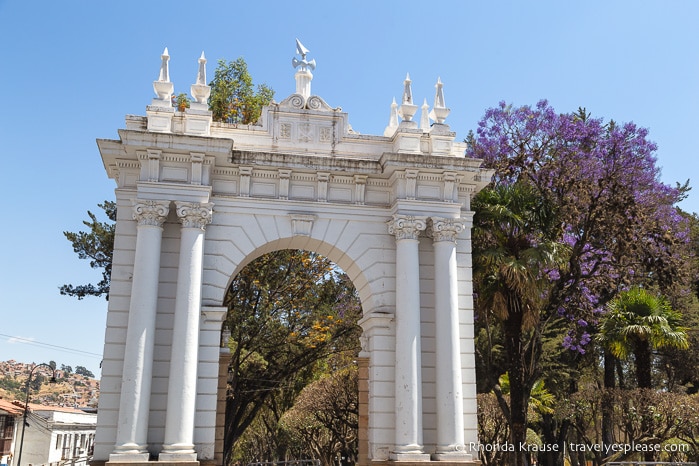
(81, 370)
(515, 241)
(287, 312)
(97, 245)
(638, 322)
(234, 98)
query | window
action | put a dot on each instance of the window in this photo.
(59, 441)
(7, 429)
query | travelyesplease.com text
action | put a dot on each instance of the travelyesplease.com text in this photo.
(605, 449)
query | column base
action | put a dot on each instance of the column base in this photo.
(409, 456)
(129, 454)
(165, 457)
(453, 456)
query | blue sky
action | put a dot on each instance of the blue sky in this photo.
(70, 71)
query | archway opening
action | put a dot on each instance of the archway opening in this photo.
(291, 369)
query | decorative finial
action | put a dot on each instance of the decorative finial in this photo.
(439, 112)
(303, 63)
(407, 90)
(164, 67)
(392, 120)
(425, 116)
(201, 75)
(163, 87)
(199, 90)
(407, 109)
(303, 75)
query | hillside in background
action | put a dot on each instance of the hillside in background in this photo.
(76, 388)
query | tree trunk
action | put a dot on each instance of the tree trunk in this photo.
(643, 364)
(607, 402)
(518, 394)
(644, 379)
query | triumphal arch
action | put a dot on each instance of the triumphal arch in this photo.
(198, 200)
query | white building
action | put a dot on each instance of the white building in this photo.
(56, 436)
(10, 421)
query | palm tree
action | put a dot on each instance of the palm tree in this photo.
(637, 322)
(515, 241)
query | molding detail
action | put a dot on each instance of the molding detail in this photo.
(450, 183)
(410, 183)
(194, 214)
(154, 164)
(245, 174)
(406, 226)
(197, 162)
(323, 178)
(301, 224)
(444, 229)
(149, 212)
(359, 189)
(284, 177)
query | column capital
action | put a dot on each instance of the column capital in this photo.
(194, 214)
(150, 212)
(444, 229)
(406, 226)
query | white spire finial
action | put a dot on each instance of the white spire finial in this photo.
(199, 90)
(425, 117)
(407, 109)
(201, 75)
(439, 111)
(164, 67)
(407, 90)
(163, 87)
(392, 120)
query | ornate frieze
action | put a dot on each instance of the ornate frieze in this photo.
(444, 229)
(194, 214)
(149, 212)
(406, 226)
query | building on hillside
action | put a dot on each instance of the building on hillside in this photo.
(56, 436)
(10, 421)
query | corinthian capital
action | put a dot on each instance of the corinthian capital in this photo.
(406, 226)
(194, 214)
(444, 229)
(149, 212)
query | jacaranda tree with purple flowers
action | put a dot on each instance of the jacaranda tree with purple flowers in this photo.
(615, 217)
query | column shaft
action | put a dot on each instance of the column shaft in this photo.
(134, 404)
(450, 403)
(182, 383)
(408, 380)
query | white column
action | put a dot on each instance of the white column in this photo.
(450, 403)
(134, 405)
(408, 380)
(182, 384)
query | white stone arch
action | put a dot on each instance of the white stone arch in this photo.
(197, 200)
(357, 242)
